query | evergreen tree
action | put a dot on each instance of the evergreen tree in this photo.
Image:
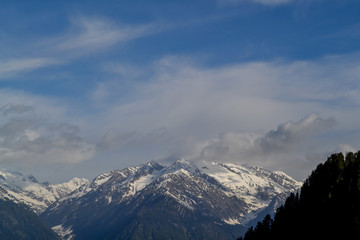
(328, 206)
(18, 222)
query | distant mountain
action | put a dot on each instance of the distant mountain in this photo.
(18, 222)
(328, 206)
(181, 201)
(27, 190)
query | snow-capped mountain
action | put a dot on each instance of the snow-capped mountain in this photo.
(255, 185)
(195, 201)
(38, 196)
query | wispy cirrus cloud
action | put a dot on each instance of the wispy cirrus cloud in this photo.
(88, 35)
(11, 67)
(84, 36)
(352, 31)
(263, 2)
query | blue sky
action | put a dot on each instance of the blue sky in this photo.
(87, 87)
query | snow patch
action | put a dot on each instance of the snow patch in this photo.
(102, 179)
(231, 221)
(250, 216)
(185, 202)
(141, 183)
(64, 233)
(254, 185)
(109, 199)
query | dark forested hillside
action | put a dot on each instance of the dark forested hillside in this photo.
(18, 222)
(328, 206)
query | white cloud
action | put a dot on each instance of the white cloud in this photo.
(290, 134)
(113, 139)
(84, 36)
(197, 100)
(177, 106)
(15, 109)
(33, 131)
(256, 148)
(293, 147)
(32, 141)
(195, 103)
(89, 35)
(11, 67)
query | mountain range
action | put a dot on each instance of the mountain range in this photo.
(184, 200)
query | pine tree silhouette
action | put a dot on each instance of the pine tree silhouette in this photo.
(327, 207)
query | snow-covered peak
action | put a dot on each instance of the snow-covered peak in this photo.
(16, 179)
(63, 189)
(73, 184)
(101, 179)
(183, 165)
(123, 183)
(236, 175)
(257, 186)
(38, 196)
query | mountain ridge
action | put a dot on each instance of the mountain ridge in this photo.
(19, 188)
(195, 191)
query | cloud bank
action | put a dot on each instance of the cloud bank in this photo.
(30, 136)
(275, 149)
(241, 102)
(291, 134)
(181, 94)
(179, 107)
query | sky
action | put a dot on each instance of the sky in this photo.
(92, 86)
